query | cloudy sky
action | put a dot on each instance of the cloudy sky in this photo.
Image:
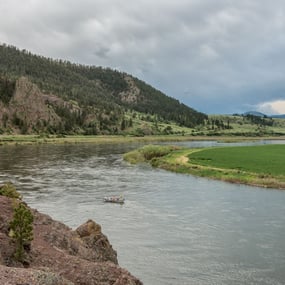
(217, 56)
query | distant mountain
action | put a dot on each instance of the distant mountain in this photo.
(278, 116)
(259, 114)
(254, 113)
(42, 94)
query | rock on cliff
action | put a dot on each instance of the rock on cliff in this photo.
(60, 255)
(28, 108)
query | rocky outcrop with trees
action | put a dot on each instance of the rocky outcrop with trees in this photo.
(55, 254)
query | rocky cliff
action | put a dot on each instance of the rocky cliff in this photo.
(59, 255)
(28, 109)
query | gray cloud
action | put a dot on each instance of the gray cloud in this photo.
(216, 56)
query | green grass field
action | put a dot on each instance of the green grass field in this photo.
(253, 165)
(268, 159)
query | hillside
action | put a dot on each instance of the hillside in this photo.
(241, 125)
(39, 94)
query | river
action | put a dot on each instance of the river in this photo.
(173, 229)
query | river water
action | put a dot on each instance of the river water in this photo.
(173, 229)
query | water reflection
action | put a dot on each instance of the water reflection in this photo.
(173, 229)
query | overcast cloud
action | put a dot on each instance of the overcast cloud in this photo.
(217, 56)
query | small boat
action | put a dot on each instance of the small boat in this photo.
(115, 199)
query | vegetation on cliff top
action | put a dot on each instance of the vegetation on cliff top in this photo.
(256, 165)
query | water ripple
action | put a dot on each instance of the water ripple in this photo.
(173, 229)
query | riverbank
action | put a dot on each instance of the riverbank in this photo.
(54, 139)
(182, 161)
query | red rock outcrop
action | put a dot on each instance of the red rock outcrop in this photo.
(59, 255)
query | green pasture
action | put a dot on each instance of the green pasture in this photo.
(253, 165)
(268, 159)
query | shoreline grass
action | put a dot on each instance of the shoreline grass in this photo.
(180, 161)
(53, 139)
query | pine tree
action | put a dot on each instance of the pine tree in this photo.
(21, 230)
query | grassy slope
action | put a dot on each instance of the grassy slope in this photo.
(241, 125)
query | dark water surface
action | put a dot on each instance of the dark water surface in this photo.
(173, 229)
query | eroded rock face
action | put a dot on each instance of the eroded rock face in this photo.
(90, 228)
(59, 254)
(29, 104)
(93, 244)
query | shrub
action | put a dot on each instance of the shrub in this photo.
(147, 153)
(153, 151)
(9, 190)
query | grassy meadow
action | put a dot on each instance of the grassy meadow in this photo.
(267, 159)
(253, 165)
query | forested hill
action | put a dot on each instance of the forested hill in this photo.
(43, 94)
